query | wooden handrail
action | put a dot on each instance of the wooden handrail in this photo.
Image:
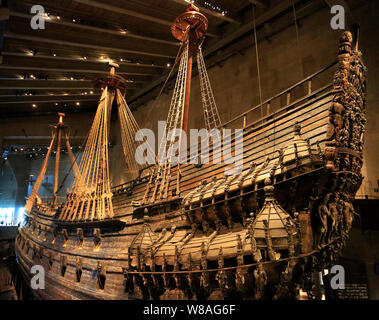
(280, 93)
(266, 102)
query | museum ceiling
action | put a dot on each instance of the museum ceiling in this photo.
(50, 70)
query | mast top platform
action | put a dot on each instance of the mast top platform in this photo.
(191, 19)
(111, 79)
(60, 123)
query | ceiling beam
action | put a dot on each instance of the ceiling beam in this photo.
(48, 95)
(97, 29)
(36, 83)
(248, 27)
(44, 101)
(210, 12)
(88, 60)
(11, 35)
(119, 10)
(82, 71)
(43, 88)
(61, 80)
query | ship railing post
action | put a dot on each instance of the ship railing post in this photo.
(309, 87)
(288, 98)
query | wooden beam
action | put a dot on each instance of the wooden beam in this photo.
(248, 27)
(12, 35)
(61, 80)
(97, 29)
(119, 10)
(55, 96)
(88, 60)
(82, 71)
(44, 101)
(43, 88)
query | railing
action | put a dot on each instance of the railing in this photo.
(311, 86)
(267, 109)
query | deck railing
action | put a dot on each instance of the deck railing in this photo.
(310, 86)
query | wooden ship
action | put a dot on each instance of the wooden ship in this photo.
(188, 231)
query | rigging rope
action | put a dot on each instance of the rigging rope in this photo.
(91, 197)
(211, 115)
(257, 61)
(171, 142)
(297, 35)
(37, 185)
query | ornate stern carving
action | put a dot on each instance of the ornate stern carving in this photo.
(344, 137)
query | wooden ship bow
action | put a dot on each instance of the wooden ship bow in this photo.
(189, 231)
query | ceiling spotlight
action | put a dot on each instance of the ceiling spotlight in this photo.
(121, 59)
(71, 78)
(56, 103)
(73, 20)
(34, 106)
(58, 17)
(84, 57)
(54, 54)
(78, 104)
(168, 65)
(91, 92)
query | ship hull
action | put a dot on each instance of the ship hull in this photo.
(204, 243)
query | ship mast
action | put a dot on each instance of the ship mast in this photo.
(91, 197)
(190, 28)
(59, 127)
(58, 130)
